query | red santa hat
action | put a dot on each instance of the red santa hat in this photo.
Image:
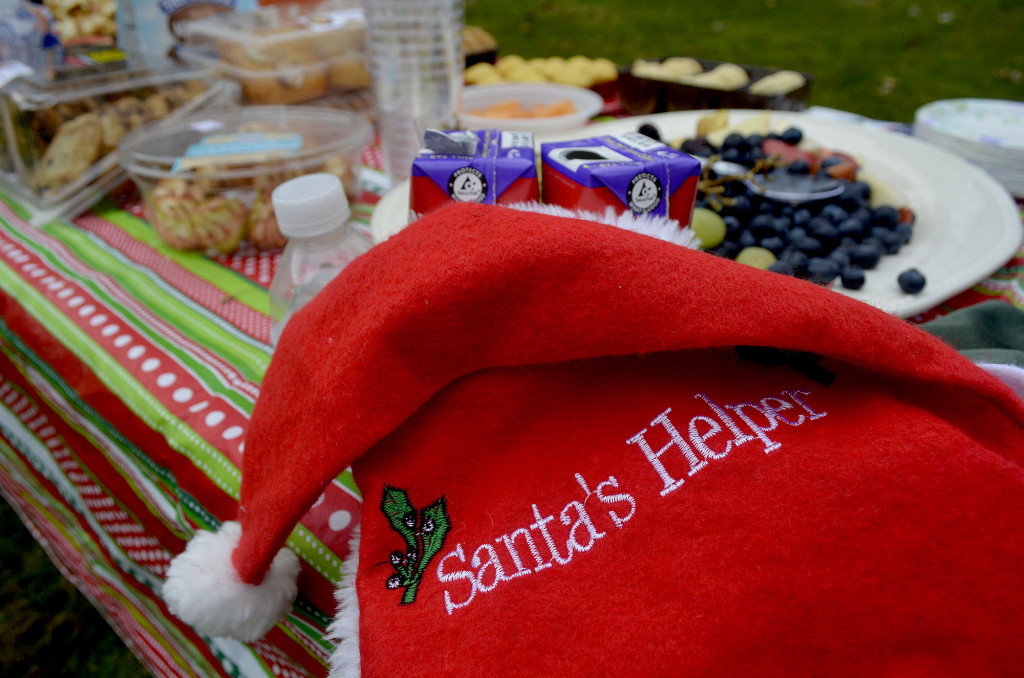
(588, 451)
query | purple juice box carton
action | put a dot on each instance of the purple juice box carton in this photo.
(486, 166)
(629, 172)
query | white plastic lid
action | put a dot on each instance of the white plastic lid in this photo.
(310, 205)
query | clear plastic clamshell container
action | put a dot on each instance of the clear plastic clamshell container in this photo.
(282, 54)
(206, 180)
(59, 135)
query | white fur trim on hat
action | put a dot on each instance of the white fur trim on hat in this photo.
(345, 628)
(203, 588)
(662, 228)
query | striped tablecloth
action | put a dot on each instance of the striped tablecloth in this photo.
(127, 377)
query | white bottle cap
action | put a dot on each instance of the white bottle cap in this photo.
(310, 205)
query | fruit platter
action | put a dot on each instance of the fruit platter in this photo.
(955, 224)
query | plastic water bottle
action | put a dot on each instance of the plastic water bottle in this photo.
(313, 212)
(28, 42)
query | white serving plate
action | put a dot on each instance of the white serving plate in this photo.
(967, 224)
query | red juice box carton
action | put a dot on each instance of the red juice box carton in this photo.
(629, 172)
(486, 166)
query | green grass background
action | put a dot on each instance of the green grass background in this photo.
(879, 58)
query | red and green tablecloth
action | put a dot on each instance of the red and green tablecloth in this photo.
(127, 377)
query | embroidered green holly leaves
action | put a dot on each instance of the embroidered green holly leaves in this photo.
(423, 531)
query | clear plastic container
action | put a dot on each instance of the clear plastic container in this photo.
(59, 134)
(313, 213)
(281, 55)
(206, 179)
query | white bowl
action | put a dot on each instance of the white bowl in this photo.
(476, 97)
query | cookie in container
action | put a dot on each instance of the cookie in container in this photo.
(60, 133)
(206, 179)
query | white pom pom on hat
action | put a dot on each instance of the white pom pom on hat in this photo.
(203, 588)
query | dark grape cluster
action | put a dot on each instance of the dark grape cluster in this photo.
(824, 241)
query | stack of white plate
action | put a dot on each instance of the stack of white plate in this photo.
(987, 132)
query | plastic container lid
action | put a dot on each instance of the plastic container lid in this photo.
(319, 134)
(310, 205)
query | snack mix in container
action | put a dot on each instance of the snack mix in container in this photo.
(206, 180)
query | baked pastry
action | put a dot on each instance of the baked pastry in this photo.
(262, 228)
(348, 72)
(727, 77)
(294, 70)
(777, 84)
(75, 147)
(113, 128)
(476, 40)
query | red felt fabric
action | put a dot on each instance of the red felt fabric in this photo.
(489, 356)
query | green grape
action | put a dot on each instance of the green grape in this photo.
(708, 226)
(758, 257)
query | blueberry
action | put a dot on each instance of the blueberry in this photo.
(874, 242)
(862, 189)
(649, 130)
(792, 135)
(798, 259)
(841, 256)
(801, 216)
(911, 281)
(783, 266)
(890, 240)
(799, 167)
(852, 278)
(774, 244)
(733, 226)
(886, 216)
(763, 225)
(822, 229)
(851, 228)
(751, 157)
(822, 270)
(781, 226)
(747, 239)
(835, 213)
(740, 205)
(847, 244)
(732, 155)
(809, 246)
(831, 161)
(698, 147)
(735, 140)
(861, 214)
(796, 233)
(755, 140)
(727, 250)
(905, 232)
(865, 256)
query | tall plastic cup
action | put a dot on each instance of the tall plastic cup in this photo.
(416, 62)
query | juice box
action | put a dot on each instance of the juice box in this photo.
(494, 168)
(629, 172)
